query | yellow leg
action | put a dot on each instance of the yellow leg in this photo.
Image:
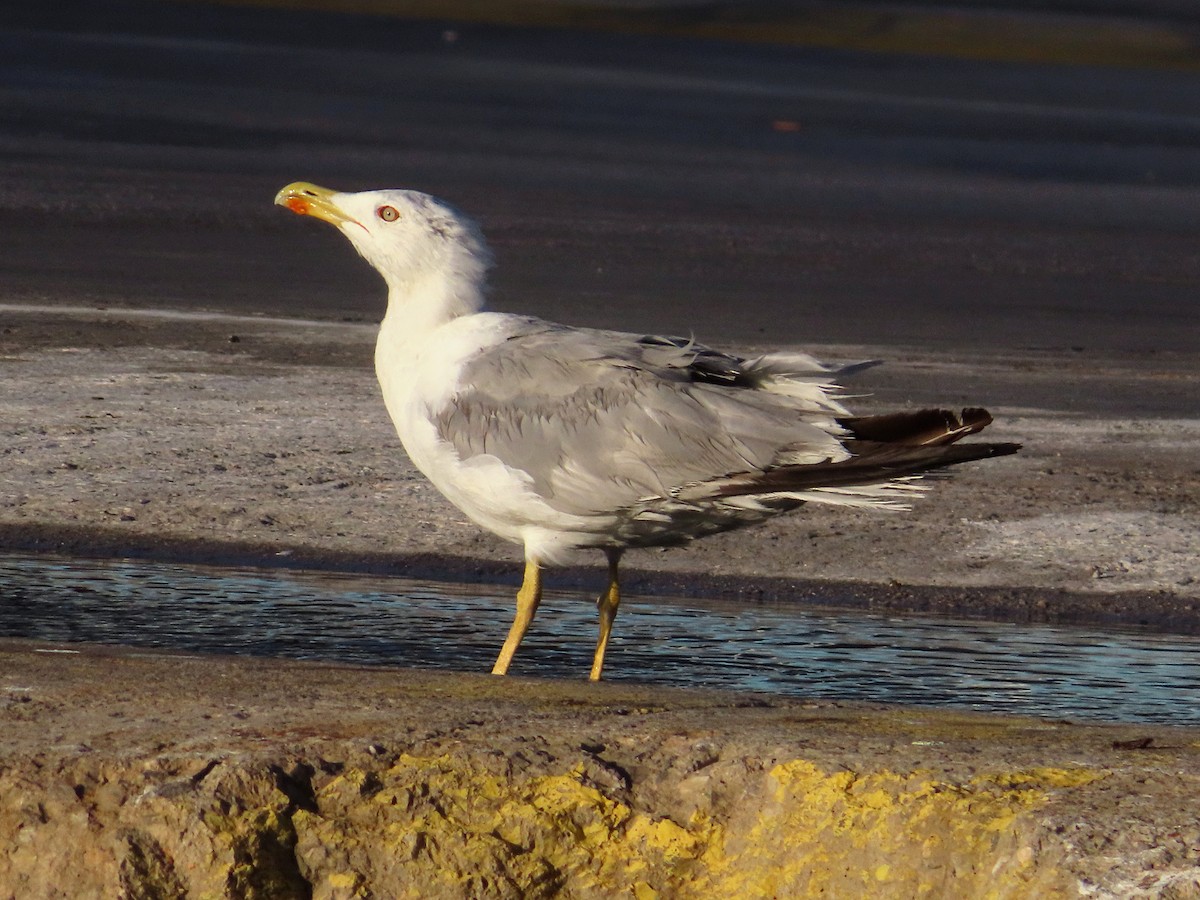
(528, 598)
(607, 604)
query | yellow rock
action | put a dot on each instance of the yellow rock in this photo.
(457, 827)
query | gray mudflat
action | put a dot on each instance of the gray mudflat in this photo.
(746, 193)
(1011, 235)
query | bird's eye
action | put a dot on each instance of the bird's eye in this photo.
(388, 213)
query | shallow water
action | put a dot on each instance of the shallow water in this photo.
(1080, 673)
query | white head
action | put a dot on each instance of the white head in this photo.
(425, 250)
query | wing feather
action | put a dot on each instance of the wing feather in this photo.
(602, 420)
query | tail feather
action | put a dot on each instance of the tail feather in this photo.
(884, 450)
(872, 463)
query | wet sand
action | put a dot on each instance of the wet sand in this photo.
(264, 441)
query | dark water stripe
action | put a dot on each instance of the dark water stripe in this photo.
(1081, 673)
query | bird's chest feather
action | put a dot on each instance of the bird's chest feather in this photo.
(419, 377)
(420, 372)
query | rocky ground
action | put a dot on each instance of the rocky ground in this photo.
(190, 777)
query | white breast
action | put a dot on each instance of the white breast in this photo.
(419, 374)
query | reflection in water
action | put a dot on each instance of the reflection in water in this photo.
(1083, 673)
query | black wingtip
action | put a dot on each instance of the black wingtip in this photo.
(1005, 449)
(922, 427)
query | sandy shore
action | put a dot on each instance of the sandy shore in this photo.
(264, 441)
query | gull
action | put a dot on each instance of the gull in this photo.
(560, 438)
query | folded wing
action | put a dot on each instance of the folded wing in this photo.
(601, 421)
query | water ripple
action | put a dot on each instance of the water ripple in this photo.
(1081, 673)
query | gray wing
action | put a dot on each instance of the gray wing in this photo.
(600, 420)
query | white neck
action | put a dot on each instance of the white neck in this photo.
(422, 325)
(438, 290)
(417, 306)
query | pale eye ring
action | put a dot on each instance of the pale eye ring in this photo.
(388, 213)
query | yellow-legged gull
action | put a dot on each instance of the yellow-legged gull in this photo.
(560, 438)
